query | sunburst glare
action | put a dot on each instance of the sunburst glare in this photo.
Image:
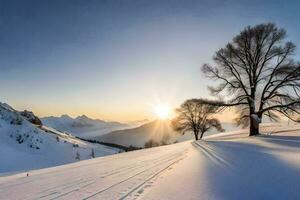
(162, 111)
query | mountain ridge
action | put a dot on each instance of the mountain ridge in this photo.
(82, 125)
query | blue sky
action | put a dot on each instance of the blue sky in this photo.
(116, 59)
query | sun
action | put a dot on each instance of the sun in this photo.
(162, 111)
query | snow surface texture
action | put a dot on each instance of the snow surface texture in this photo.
(83, 126)
(25, 146)
(233, 167)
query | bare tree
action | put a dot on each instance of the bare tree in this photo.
(197, 117)
(258, 76)
(77, 156)
(93, 153)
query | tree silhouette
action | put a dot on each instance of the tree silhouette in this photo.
(197, 117)
(93, 153)
(257, 74)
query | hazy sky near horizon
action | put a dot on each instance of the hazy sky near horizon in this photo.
(115, 59)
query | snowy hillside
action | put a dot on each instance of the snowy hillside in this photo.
(82, 126)
(234, 167)
(24, 145)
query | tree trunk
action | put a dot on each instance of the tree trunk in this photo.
(196, 136)
(254, 127)
(254, 118)
(202, 133)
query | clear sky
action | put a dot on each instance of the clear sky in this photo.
(115, 59)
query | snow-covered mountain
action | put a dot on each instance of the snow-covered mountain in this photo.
(26, 144)
(82, 126)
(137, 123)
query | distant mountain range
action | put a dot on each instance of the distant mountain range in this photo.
(158, 131)
(83, 126)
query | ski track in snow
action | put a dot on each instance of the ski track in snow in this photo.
(95, 180)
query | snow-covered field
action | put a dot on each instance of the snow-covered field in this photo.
(222, 167)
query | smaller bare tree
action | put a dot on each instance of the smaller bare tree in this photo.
(93, 153)
(197, 117)
(77, 156)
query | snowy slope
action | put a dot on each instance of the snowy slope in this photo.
(25, 146)
(264, 167)
(82, 126)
